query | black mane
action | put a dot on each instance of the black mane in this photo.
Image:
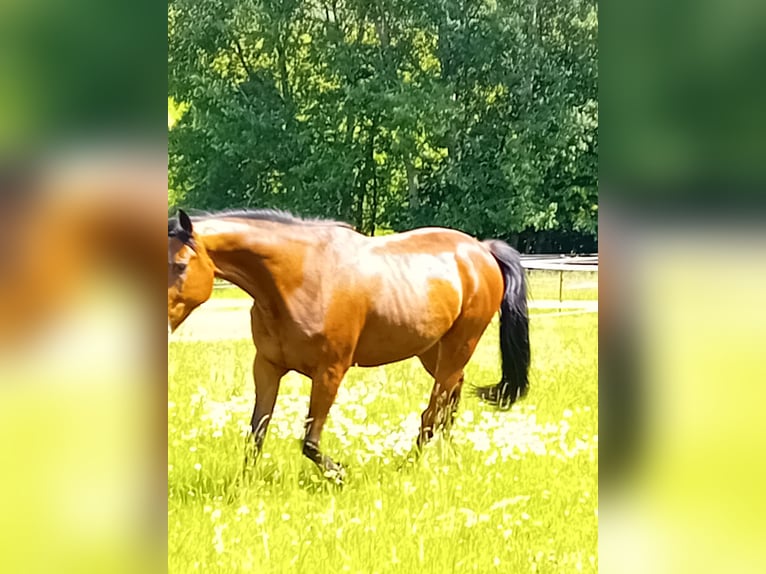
(275, 215)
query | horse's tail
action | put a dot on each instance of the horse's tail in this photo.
(514, 329)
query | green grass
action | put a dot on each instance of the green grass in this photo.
(225, 290)
(576, 285)
(509, 492)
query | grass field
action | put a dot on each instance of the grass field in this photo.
(508, 492)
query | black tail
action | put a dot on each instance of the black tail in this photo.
(514, 329)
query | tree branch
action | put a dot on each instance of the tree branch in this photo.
(240, 53)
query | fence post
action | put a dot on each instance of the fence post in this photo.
(561, 288)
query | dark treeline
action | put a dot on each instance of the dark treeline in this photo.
(478, 115)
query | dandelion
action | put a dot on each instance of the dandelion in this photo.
(491, 459)
(480, 440)
(470, 517)
(265, 537)
(192, 434)
(218, 538)
(197, 467)
(508, 501)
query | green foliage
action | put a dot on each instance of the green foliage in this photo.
(469, 114)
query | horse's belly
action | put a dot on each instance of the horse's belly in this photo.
(399, 331)
(379, 349)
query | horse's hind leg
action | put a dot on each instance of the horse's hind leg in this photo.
(453, 404)
(267, 377)
(441, 407)
(445, 361)
(429, 360)
(324, 388)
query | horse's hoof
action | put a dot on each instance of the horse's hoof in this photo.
(411, 458)
(251, 460)
(336, 474)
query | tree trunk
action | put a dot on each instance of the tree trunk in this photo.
(412, 183)
(347, 193)
(283, 77)
(444, 50)
(374, 209)
(359, 218)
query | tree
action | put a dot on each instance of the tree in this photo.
(479, 115)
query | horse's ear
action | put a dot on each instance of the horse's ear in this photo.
(184, 221)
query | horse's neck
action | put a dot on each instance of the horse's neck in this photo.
(249, 257)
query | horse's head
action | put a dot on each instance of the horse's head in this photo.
(190, 270)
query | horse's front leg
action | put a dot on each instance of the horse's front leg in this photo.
(324, 388)
(267, 376)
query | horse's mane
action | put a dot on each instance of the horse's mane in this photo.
(274, 215)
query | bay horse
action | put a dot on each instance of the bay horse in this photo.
(327, 297)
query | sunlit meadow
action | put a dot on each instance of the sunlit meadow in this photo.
(509, 491)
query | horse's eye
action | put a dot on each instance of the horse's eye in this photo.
(179, 267)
